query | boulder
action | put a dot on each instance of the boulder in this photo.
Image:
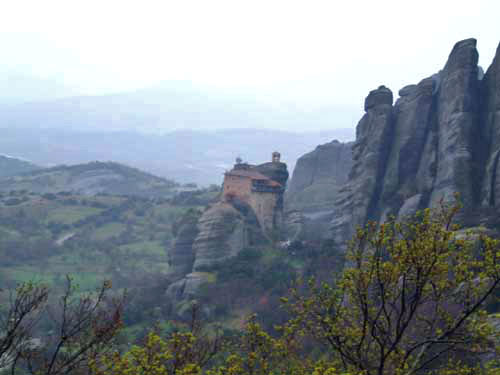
(407, 90)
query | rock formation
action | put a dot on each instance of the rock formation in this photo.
(442, 136)
(317, 177)
(249, 209)
(181, 256)
(490, 118)
(224, 230)
(314, 187)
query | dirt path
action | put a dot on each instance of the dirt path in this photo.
(60, 241)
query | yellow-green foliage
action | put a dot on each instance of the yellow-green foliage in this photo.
(410, 302)
(156, 357)
(412, 296)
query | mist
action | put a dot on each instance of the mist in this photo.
(175, 81)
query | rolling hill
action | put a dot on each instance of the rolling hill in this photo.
(91, 179)
(10, 166)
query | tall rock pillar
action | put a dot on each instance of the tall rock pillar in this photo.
(358, 199)
(458, 127)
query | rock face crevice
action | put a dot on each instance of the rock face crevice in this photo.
(490, 116)
(457, 115)
(181, 257)
(441, 137)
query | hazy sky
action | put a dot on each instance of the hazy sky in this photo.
(328, 51)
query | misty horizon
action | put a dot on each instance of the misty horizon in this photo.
(284, 56)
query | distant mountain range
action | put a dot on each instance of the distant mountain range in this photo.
(173, 105)
(17, 88)
(184, 156)
(176, 130)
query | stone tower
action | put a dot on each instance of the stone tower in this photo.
(276, 157)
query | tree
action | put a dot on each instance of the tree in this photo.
(411, 299)
(18, 320)
(181, 353)
(82, 325)
(258, 353)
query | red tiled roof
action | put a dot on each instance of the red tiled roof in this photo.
(253, 175)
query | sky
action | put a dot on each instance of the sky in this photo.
(314, 51)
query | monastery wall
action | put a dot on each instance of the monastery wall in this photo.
(264, 206)
(237, 187)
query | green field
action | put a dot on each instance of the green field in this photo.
(71, 214)
(145, 249)
(90, 238)
(107, 231)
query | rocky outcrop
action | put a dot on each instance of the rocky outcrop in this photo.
(374, 132)
(221, 235)
(314, 187)
(249, 214)
(490, 117)
(204, 242)
(458, 126)
(441, 137)
(317, 177)
(181, 256)
(294, 225)
(275, 171)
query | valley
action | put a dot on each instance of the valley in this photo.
(389, 241)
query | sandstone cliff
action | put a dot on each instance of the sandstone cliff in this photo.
(316, 180)
(224, 230)
(221, 232)
(181, 256)
(440, 137)
(317, 177)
